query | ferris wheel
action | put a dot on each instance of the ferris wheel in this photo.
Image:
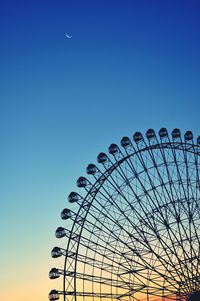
(133, 232)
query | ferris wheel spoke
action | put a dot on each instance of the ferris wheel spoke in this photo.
(186, 208)
(142, 242)
(99, 247)
(191, 196)
(173, 182)
(145, 241)
(171, 241)
(151, 251)
(148, 190)
(111, 282)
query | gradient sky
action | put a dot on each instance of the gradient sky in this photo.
(130, 66)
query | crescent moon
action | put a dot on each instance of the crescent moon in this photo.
(69, 37)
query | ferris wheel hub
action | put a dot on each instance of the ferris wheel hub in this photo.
(194, 296)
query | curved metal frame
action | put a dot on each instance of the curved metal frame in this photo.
(142, 219)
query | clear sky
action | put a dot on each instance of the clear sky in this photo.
(129, 66)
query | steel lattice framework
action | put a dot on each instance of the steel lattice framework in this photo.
(134, 232)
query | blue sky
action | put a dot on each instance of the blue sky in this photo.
(130, 65)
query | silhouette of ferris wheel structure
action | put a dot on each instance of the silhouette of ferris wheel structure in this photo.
(133, 233)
